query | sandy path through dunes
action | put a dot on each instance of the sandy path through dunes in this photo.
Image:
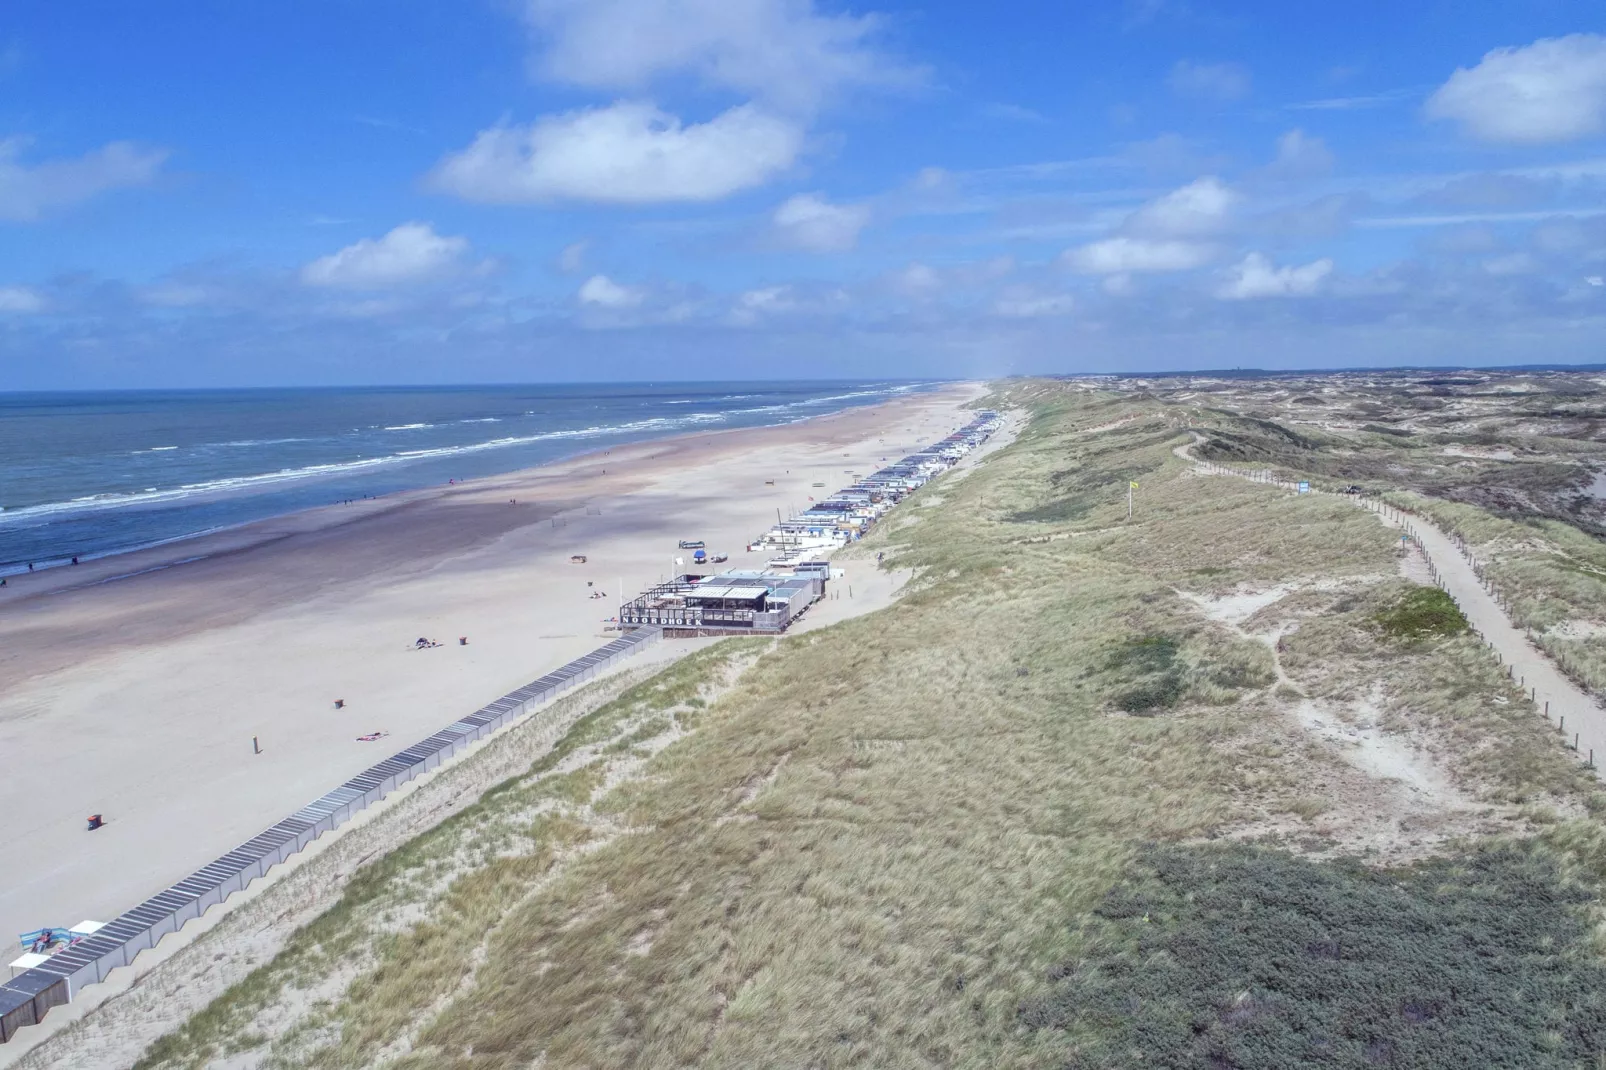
(1570, 707)
(1574, 709)
(139, 698)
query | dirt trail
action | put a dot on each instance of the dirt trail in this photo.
(1579, 717)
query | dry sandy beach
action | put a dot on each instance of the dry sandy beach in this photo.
(134, 685)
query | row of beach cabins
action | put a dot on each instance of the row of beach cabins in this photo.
(767, 600)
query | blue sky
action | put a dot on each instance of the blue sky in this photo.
(520, 190)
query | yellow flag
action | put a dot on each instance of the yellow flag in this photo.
(1134, 484)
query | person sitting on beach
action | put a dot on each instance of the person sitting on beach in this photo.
(422, 643)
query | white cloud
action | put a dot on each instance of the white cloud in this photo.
(753, 305)
(1511, 264)
(1123, 255)
(1373, 100)
(628, 153)
(1201, 207)
(1210, 81)
(28, 192)
(1463, 240)
(808, 221)
(768, 299)
(1255, 276)
(1171, 154)
(1028, 304)
(1300, 156)
(175, 295)
(573, 257)
(781, 51)
(1012, 113)
(1489, 189)
(1552, 90)
(367, 308)
(1170, 233)
(1476, 217)
(1120, 285)
(413, 252)
(603, 292)
(20, 299)
(786, 58)
(1321, 218)
(918, 280)
(1574, 234)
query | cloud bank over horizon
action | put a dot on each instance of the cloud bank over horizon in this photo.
(756, 188)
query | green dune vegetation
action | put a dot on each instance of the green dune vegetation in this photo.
(1215, 787)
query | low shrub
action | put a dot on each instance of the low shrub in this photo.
(1424, 613)
(1256, 959)
(1161, 682)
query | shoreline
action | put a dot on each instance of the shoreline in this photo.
(55, 566)
(140, 684)
(21, 567)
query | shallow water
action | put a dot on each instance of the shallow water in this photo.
(90, 474)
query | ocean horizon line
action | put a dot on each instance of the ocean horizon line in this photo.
(181, 464)
(488, 385)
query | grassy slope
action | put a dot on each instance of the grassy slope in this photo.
(877, 848)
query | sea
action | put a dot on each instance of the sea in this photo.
(90, 474)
